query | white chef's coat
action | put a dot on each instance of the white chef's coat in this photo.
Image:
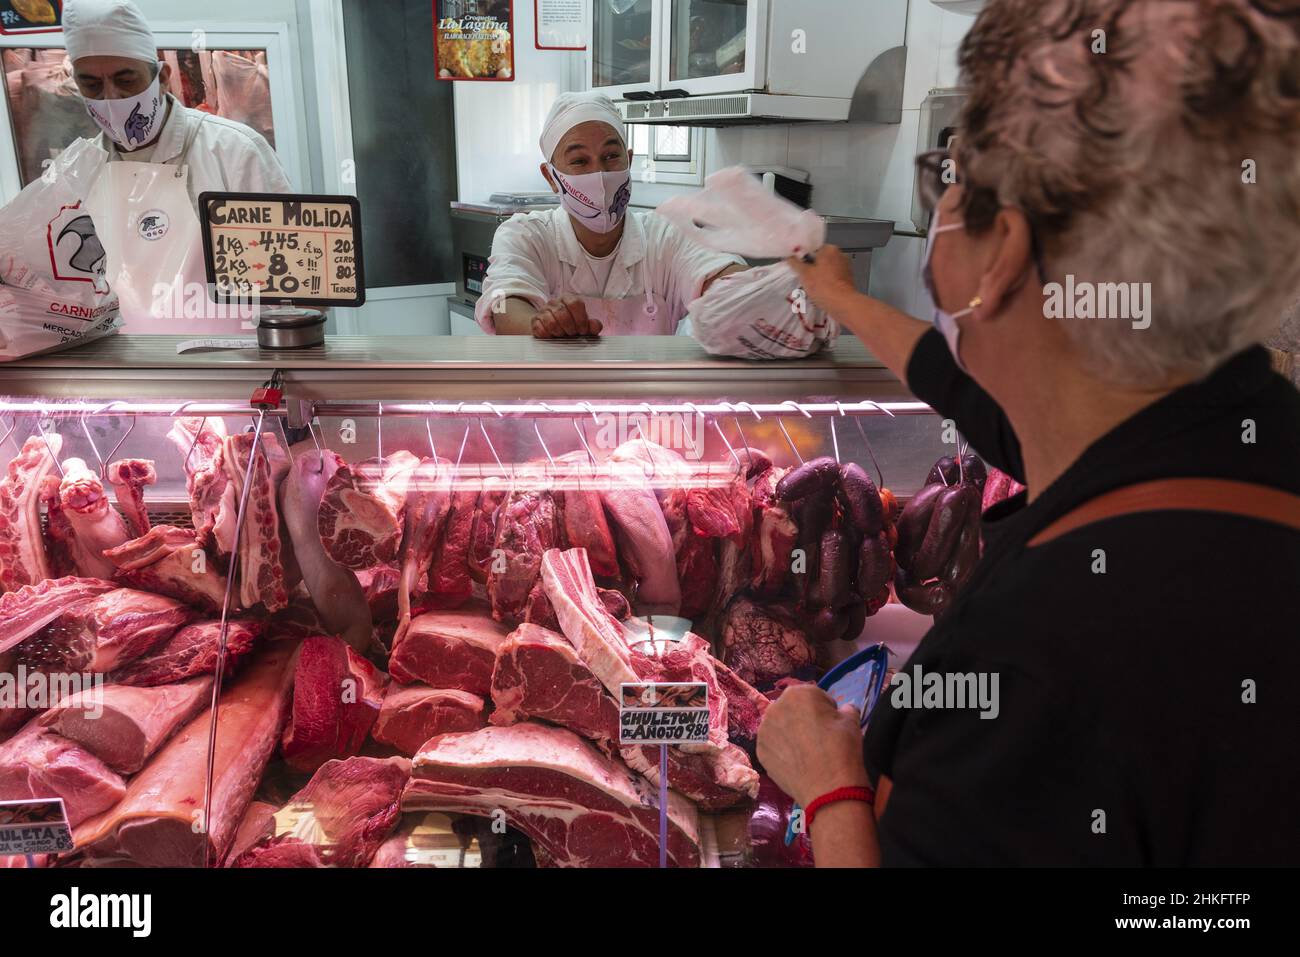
(226, 155)
(537, 257)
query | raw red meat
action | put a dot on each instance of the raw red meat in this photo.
(483, 533)
(539, 675)
(578, 806)
(213, 506)
(61, 546)
(404, 847)
(94, 521)
(540, 611)
(191, 652)
(428, 494)
(258, 823)
(745, 704)
(526, 528)
(646, 541)
(335, 592)
(261, 565)
(108, 631)
(124, 726)
(697, 570)
(583, 512)
(31, 608)
(762, 643)
(338, 819)
(412, 714)
(36, 763)
(362, 512)
(775, 535)
(449, 649)
(336, 699)
(170, 561)
(22, 549)
(129, 478)
(717, 504)
(154, 824)
(379, 583)
(450, 585)
(597, 637)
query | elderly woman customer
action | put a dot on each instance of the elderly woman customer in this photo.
(1139, 604)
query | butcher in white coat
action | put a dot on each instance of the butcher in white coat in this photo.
(591, 266)
(158, 157)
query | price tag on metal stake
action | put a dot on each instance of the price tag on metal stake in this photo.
(665, 713)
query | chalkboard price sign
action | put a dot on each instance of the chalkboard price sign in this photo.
(285, 248)
(30, 16)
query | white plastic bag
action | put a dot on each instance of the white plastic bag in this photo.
(736, 213)
(761, 314)
(53, 293)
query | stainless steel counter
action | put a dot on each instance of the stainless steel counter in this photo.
(444, 367)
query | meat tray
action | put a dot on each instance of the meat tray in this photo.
(388, 588)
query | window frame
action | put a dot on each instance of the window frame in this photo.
(672, 172)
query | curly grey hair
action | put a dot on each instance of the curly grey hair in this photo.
(1132, 164)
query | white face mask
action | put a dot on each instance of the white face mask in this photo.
(134, 121)
(597, 200)
(945, 322)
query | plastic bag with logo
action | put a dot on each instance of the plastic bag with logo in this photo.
(761, 313)
(53, 290)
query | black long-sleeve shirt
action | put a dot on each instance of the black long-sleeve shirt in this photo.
(1148, 715)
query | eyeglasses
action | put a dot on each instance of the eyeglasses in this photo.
(936, 171)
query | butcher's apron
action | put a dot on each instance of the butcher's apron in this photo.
(150, 232)
(644, 315)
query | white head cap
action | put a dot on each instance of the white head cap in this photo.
(107, 28)
(574, 109)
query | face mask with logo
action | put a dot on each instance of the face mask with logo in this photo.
(945, 322)
(134, 121)
(597, 200)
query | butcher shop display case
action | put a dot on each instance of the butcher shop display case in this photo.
(386, 602)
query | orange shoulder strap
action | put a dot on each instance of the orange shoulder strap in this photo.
(1182, 495)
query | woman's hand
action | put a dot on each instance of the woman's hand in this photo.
(808, 746)
(829, 279)
(564, 319)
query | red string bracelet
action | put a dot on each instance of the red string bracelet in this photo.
(866, 795)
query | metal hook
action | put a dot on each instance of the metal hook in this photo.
(798, 407)
(379, 424)
(749, 455)
(493, 449)
(12, 429)
(870, 451)
(288, 446)
(835, 442)
(750, 409)
(103, 468)
(583, 439)
(781, 425)
(320, 452)
(428, 430)
(722, 436)
(542, 443)
(654, 465)
(41, 429)
(126, 435)
(461, 453)
(697, 453)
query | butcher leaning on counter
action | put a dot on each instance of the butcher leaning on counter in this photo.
(589, 266)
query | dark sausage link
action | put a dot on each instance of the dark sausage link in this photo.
(857, 620)
(827, 625)
(945, 529)
(809, 478)
(861, 499)
(967, 553)
(914, 522)
(875, 565)
(834, 571)
(931, 599)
